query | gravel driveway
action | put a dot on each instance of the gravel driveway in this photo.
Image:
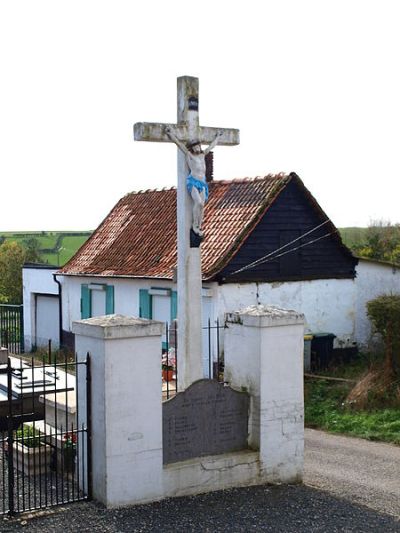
(358, 470)
(286, 509)
(355, 470)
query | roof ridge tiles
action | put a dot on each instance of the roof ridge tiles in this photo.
(245, 179)
(146, 191)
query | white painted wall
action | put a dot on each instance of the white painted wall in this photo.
(126, 294)
(127, 436)
(126, 419)
(334, 305)
(373, 279)
(264, 354)
(38, 281)
(328, 305)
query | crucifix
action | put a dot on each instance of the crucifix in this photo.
(187, 134)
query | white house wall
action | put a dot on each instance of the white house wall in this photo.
(37, 281)
(328, 305)
(334, 306)
(126, 295)
(373, 279)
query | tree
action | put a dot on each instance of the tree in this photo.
(32, 247)
(384, 313)
(382, 242)
(12, 258)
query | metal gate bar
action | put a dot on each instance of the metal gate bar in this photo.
(45, 452)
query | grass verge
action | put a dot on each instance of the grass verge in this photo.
(325, 408)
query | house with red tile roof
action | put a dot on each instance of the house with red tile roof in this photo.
(266, 241)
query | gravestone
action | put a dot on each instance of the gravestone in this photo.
(206, 419)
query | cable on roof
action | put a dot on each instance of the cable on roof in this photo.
(261, 260)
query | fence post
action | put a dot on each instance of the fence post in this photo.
(10, 441)
(89, 427)
(21, 329)
(125, 417)
(264, 353)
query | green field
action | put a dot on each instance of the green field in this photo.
(55, 247)
(353, 236)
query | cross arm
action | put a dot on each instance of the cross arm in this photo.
(155, 131)
(229, 137)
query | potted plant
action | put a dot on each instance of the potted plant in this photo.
(33, 456)
(69, 451)
(168, 365)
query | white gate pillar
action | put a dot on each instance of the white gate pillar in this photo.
(264, 354)
(125, 355)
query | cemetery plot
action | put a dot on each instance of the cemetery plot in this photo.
(43, 450)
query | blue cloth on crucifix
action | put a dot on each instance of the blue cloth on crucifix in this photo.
(200, 185)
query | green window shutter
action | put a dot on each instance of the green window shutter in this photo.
(144, 304)
(86, 307)
(174, 305)
(109, 299)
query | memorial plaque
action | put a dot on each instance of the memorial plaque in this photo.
(206, 419)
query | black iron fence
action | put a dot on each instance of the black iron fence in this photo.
(45, 452)
(12, 328)
(49, 350)
(213, 364)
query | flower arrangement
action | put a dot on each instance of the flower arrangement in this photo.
(69, 451)
(168, 365)
(168, 361)
(69, 440)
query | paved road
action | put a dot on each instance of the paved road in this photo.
(358, 470)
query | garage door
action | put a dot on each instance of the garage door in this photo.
(47, 320)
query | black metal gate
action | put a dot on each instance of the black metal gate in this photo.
(12, 328)
(45, 452)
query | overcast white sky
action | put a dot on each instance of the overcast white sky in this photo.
(313, 87)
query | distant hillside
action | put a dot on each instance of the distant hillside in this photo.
(55, 247)
(353, 237)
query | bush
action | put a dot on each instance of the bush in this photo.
(384, 313)
(28, 436)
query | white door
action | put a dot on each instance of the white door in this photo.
(161, 310)
(47, 320)
(98, 302)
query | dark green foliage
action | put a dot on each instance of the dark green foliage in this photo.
(380, 241)
(384, 313)
(12, 257)
(32, 247)
(28, 436)
(326, 408)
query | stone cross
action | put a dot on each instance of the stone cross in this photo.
(187, 130)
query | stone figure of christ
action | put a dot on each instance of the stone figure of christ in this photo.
(196, 181)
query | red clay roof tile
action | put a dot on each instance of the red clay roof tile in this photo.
(138, 237)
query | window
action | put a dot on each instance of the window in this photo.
(97, 299)
(158, 304)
